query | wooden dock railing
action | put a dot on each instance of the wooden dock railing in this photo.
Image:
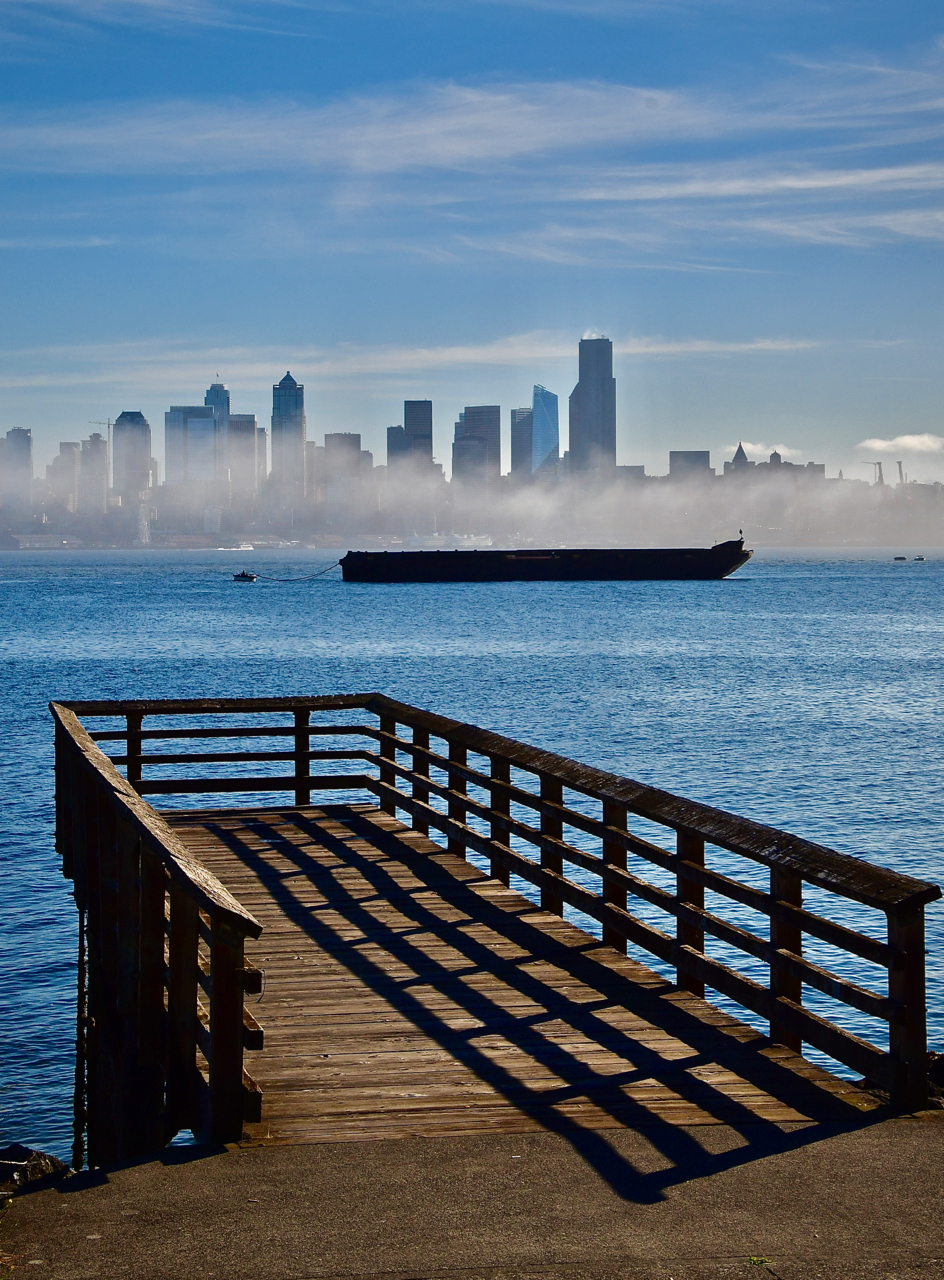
(161, 1019)
(565, 828)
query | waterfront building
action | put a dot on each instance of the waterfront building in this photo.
(593, 409)
(522, 423)
(16, 471)
(545, 437)
(132, 465)
(690, 464)
(288, 433)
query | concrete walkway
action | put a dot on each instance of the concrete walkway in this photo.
(800, 1202)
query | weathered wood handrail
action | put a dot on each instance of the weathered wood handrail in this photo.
(482, 807)
(144, 904)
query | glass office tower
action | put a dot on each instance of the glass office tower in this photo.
(545, 437)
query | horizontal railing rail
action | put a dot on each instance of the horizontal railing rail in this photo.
(157, 931)
(480, 805)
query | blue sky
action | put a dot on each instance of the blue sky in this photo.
(402, 198)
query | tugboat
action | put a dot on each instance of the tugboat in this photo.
(244, 576)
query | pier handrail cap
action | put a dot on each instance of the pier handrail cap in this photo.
(182, 868)
(836, 872)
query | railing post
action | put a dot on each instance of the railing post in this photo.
(553, 792)
(908, 1037)
(135, 747)
(501, 806)
(456, 809)
(151, 1016)
(420, 771)
(65, 836)
(182, 1012)
(107, 1013)
(388, 751)
(226, 1034)
(127, 1101)
(89, 858)
(614, 855)
(302, 761)
(786, 887)
(689, 848)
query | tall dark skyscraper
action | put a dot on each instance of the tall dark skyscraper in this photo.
(418, 427)
(131, 455)
(288, 433)
(593, 409)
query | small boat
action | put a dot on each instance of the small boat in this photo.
(244, 576)
(901, 557)
(921, 558)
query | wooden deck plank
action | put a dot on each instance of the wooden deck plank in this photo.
(407, 993)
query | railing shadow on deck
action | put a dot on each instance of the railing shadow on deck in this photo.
(689, 1159)
(166, 1024)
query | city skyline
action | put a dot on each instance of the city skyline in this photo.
(747, 201)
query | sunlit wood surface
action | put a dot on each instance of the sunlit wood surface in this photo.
(407, 993)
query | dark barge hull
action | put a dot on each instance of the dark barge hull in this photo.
(575, 564)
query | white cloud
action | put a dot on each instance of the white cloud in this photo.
(925, 443)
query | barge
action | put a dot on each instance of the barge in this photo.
(563, 564)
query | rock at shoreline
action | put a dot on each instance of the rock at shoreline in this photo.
(20, 1165)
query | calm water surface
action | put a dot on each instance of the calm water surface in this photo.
(805, 692)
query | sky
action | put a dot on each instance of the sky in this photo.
(410, 198)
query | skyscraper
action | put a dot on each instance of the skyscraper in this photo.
(418, 427)
(398, 447)
(242, 436)
(545, 438)
(193, 444)
(217, 397)
(593, 409)
(131, 461)
(62, 476)
(522, 422)
(16, 471)
(93, 476)
(483, 422)
(288, 433)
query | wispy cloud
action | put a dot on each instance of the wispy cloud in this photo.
(925, 443)
(159, 365)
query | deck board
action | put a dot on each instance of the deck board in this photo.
(408, 994)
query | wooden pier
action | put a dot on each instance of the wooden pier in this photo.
(325, 970)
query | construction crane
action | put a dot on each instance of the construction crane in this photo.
(877, 476)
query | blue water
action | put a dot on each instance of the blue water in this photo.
(805, 692)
